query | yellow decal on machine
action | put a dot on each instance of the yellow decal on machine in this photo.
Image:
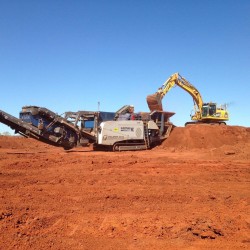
(116, 129)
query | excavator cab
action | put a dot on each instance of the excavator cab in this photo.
(208, 109)
(211, 113)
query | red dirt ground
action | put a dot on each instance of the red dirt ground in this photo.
(192, 192)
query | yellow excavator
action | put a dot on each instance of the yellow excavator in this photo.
(203, 112)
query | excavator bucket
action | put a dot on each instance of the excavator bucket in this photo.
(154, 102)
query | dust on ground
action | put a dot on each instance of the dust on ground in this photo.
(191, 192)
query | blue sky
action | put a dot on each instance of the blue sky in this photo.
(70, 55)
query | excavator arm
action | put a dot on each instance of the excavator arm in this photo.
(155, 101)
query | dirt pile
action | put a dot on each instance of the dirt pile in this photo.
(20, 142)
(208, 137)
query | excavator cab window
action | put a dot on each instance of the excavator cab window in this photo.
(208, 109)
(212, 109)
(205, 110)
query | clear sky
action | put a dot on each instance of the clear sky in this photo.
(70, 55)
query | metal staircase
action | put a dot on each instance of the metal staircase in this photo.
(146, 136)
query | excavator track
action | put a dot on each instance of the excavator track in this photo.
(205, 123)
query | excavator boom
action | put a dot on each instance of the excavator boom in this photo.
(155, 101)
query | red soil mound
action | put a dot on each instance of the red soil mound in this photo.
(207, 136)
(19, 142)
